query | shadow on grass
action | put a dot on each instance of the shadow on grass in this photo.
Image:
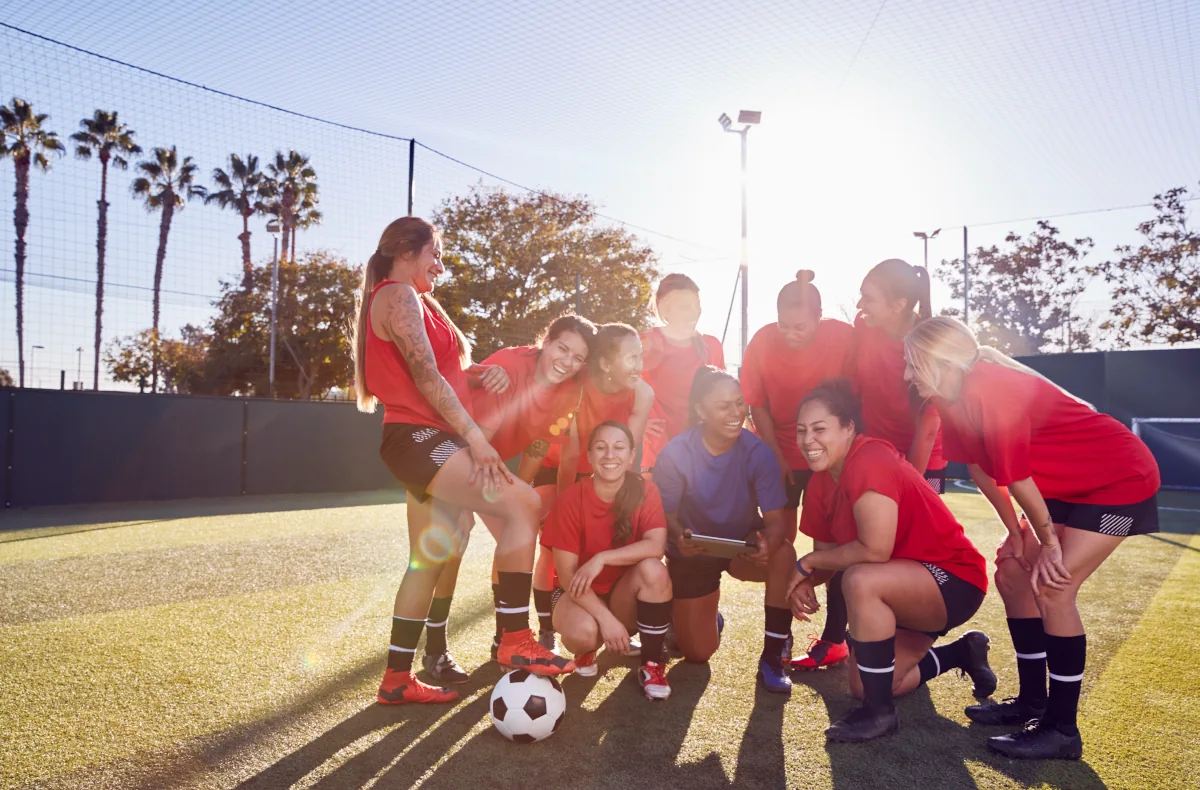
(761, 760)
(930, 750)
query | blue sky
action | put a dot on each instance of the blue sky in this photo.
(878, 119)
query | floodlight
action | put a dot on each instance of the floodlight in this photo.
(750, 116)
(726, 121)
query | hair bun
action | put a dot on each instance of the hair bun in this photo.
(805, 276)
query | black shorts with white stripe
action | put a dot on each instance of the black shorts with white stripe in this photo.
(962, 600)
(415, 453)
(1140, 518)
(936, 478)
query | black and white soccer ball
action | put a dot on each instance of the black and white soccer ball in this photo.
(527, 707)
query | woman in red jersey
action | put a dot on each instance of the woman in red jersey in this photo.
(1084, 481)
(608, 534)
(672, 355)
(911, 574)
(613, 390)
(410, 356)
(522, 420)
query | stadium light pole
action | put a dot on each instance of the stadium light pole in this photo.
(926, 237)
(273, 229)
(747, 118)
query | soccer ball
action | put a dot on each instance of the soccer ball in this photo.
(527, 707)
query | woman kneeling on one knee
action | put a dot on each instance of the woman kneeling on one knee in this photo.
(608, 534)
(911, 574)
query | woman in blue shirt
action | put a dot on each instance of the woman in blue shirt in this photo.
(718, 479)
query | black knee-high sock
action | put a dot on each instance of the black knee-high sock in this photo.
(435, 626)
(1065, 657)
(835, 611)
(652, 619)
(405, 635)
(544, 603)
(496, 604)
(777, 629)
(944, 658)
(512, 610)
(1029, 642)
(876, 667)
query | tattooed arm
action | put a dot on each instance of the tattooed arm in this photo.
(531, 460)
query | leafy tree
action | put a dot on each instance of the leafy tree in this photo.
(1156, 287)
(316, 304)
(1023, 296)
(243, 188)
(292, 186)
(513, 259)
(111, 141)
(25, 140)
(166, 185)
(5, 378)
(181, 362)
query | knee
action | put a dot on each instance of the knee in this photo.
(856, 583)
(653, 576)
(698, 656)
(1052, 602)
(580, 636)
(524, 507)
(1011, 579)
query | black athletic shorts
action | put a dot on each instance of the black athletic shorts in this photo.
(962, 599)
(937, 480)
(415, 453)
(559, 592)
(548, 476)
(1120, 520)
(695, 577)
(795, 490)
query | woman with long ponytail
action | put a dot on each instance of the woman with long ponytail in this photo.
(1085, 483)
(411, 357)
(608, 534)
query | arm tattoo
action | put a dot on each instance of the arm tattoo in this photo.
(406, 326)
(538, 449)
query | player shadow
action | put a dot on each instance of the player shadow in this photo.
(931, 750)
(761, 761)
(598, 745)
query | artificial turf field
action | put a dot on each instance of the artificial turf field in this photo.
(239, 644)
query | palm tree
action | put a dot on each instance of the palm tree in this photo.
(25, 140)
(243, 189)
(293, 184)
(111, 141)
(166, 184)
(307, 216)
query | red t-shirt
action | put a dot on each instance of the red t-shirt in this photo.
(777, 378)
(669, 370)
(391, 382)
(926, 530)
(581, 523)
(886, 397)
(1015, 425)
(595, 407)
(526, 411)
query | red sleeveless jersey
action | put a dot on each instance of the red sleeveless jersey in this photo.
(389, 379)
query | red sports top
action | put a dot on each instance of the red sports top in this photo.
(879, 378)
(669, 370)
(926, 530)
(389, 379)
(777, 378)
(526, 411)
(1015, 425)
(581, 523)
(595, 407)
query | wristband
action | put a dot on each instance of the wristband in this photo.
(800, 568)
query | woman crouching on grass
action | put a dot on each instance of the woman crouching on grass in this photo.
(608, 534)
(909, 572)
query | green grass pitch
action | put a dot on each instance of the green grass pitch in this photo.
(239, 644)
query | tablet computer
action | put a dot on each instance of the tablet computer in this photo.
(721, 547)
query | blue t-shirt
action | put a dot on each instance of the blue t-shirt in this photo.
(719, 495)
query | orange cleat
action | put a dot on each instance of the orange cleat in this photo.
(821, 654)
(519, 650)
(400, 688)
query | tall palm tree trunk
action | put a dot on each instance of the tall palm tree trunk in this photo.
(101, 245)
(164, 229)
(293, 244)
(245, 239)
(21, 222)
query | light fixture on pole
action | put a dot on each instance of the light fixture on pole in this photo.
(748, 118)
(32, 369)
(79, 370)
(273, 229)
(926, 237)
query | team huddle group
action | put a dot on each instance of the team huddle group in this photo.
(636, 461)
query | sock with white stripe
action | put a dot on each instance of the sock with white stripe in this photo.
(1065, 657)
(1029, 641)
(944, 658)
(777, 630)
(512, 609)
(405, 635)
(496, 604)
(835, 611)
(876, 666)
(652, 620)
(543, 602)
(435, 626)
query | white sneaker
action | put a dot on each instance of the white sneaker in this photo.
(653, 678)
(585, 665)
